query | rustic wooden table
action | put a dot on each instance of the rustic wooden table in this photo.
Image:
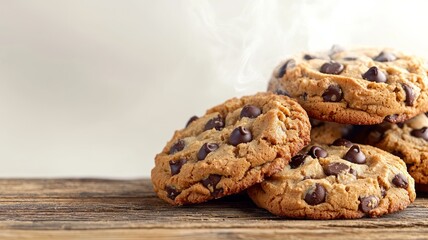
(112, 209)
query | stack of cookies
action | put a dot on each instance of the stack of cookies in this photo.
(330, 139)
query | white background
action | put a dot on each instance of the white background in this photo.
(96, 88)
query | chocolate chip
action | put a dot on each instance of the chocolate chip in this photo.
(335, 168)
(342, 142)
(426, 114)
(353, 172)
(410, 95)
(385, 57)
(332, 68)
(211, 181)
(305, 96)
(287, 65)
(374, 75)
(309, 57)
(333, 94)
(217, 123)
(391, 118)
(354, 155)
(240, 135)
(420, 133)
(297, 160)
(400, 181)
(317, 196)
(382, 192)
(282, 92)
(205, 149)
(191, 120)
(171, 192)
(350, 58)
(250, 111)
(176, 165)
(177, 147)
(317, 152)
(368, 203)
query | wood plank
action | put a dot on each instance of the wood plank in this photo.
(111, 209)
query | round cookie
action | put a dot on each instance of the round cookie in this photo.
(409, 141)
(232, 147)
(331, 182)
(362, 86)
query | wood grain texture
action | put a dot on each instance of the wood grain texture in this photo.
(115, 209)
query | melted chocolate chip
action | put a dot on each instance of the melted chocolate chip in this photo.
(250, 111)
(297, 160)
(335, 168)
(205, 149)
(400, 181)
(391, 118)
(342, 142)
(217, 123)
(410, 95)
(420, 133)
(283, 92)
(211, 181)
(385, 57)
(317, 196)
(309, 57)
(333, 94)
(177, 147)
(355, 155)
(287, 65)
(317, 152)
(368, 203)
(171, 192)
(332, 68)
(176, 166)
(240, 135)
(374, 75)
(192, 119)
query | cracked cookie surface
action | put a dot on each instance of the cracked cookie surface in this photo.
(331, 182)
(408, 140)
(362, 86)
(232, 147)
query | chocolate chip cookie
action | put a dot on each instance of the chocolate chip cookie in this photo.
(343, 180)
(232, 147)
(408, 140)
(363, 86)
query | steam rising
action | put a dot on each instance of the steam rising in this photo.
(246, 46)
(249, 38)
